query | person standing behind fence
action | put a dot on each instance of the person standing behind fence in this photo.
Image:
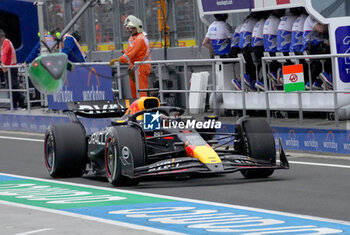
(296, 44)
(270, 32)
(245, 39)
(219, 36)
(270, 41)
(8, 57)
(297, 34)
(313, 43)
(284, 33)
(70, 46)
(284, 39)
(138, 50)
(235, 50)
(258, 47)
(35, 52)
(235, 41)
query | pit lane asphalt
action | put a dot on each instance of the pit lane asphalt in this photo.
(307, 189)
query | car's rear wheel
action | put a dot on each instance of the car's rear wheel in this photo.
(260, 145)
(65, 150)
(124, 143)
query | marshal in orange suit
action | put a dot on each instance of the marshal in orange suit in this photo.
(138, 50)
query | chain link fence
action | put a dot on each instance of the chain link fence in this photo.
(108, 18)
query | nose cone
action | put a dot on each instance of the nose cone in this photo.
(204, 153)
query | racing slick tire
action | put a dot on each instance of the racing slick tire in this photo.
(65, 150)
(260, 145)
(122, 143)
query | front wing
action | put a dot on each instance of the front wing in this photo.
(187, 165)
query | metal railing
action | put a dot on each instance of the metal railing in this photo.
(266, 60)
(26, 90)
(192, 63)
(186, 63)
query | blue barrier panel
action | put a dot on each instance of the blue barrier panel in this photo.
(306, 139)
(86, 83)
(31, 123)
(316, 140)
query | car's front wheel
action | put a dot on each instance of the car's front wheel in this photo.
(124, 143)
(260, 145)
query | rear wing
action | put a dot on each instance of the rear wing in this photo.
(96, 109)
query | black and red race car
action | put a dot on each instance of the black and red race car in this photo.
(149, 140)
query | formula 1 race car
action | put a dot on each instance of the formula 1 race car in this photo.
(146, 141)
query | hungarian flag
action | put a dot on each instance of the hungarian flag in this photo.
(293, 76)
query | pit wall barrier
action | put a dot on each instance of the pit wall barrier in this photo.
(299, 139)
(308, 139)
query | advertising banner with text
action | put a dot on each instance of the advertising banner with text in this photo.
(85, 83)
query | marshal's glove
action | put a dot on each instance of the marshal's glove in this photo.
(112, 61)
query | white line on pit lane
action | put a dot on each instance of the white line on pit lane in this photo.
(319, 164)
(35, 231)
(18, 138)
(22, 133)
(296, 155)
